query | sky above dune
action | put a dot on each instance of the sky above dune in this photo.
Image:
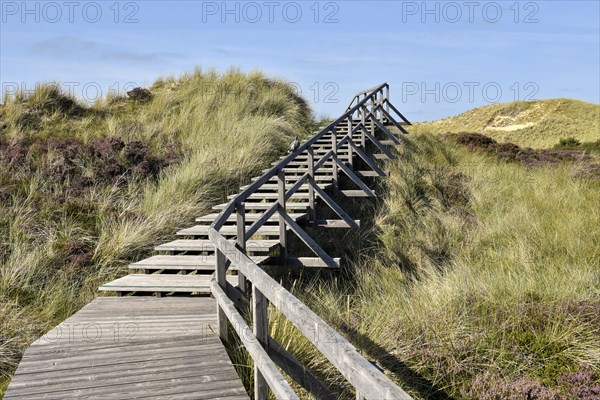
(439, 57)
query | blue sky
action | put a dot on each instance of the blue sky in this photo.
(440, 57)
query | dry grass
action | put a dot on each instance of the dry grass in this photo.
(485, 281)
(536, 124)
(85, 190)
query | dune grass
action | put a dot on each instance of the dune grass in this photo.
(87, 189)
(483, 281)
(535, 124)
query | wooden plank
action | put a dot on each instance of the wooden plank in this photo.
(354, 178)
(228, 230)
(302, 262)
(303, 188)
(266, 205)
(171, 352)
(355, 193)
(200, 245)
(162, 283)
(334, 223)
(269, 196)
(221, 281)
(181, 263)
(241, 241)
(250, 217)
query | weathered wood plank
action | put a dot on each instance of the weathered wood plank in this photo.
(172, 351)
(162, 283)
(208, 246)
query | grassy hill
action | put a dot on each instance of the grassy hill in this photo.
(481, 279)
(86, 189)
(535, 124)
(478, 277)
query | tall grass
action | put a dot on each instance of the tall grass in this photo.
(536, 124)
(85, 190)
(485, 283)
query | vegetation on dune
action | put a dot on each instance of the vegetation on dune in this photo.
(536, 124)
(86, 189)
(483, 281)
(477, 279)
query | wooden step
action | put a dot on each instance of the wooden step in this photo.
(292, 179)
(250, 217)
(275, 187)
(369, 174)
(266, 205)
(354, 193)
(163, 283)
(202, 245)
(228, 230)
(302, 262)
(183, 263)
(292, 170)
(272, 195)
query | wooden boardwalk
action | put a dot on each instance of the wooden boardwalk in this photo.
(129, 348)
(171, 346)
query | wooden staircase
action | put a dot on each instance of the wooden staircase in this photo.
(187, 265)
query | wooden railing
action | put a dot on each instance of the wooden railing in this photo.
(369, 115)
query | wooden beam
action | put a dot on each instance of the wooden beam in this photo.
(260, 325)
(294, 368)
(312, 211)
(398, 112)
(310, 242)
(380, 146)
(262, 220)
(241, 242)
(221, 269)
(335, 207)
(353, 177)
(282, 213)
(368, 160)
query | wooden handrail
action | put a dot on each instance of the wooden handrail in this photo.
(242, 196)
(368, 380)
(363, 375)
(281, 388)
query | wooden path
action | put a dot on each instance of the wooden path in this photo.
(128, 348)
(172, 345)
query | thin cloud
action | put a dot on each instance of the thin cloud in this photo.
(65, 46)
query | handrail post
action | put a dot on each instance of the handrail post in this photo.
(381, 104)
(221, 267)
(350, 149)
(241, 242)
(363, 139)
(281, 202)
(260, 325)
(387, 97)
(312, 212)
(335, 166)
(373, 115)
